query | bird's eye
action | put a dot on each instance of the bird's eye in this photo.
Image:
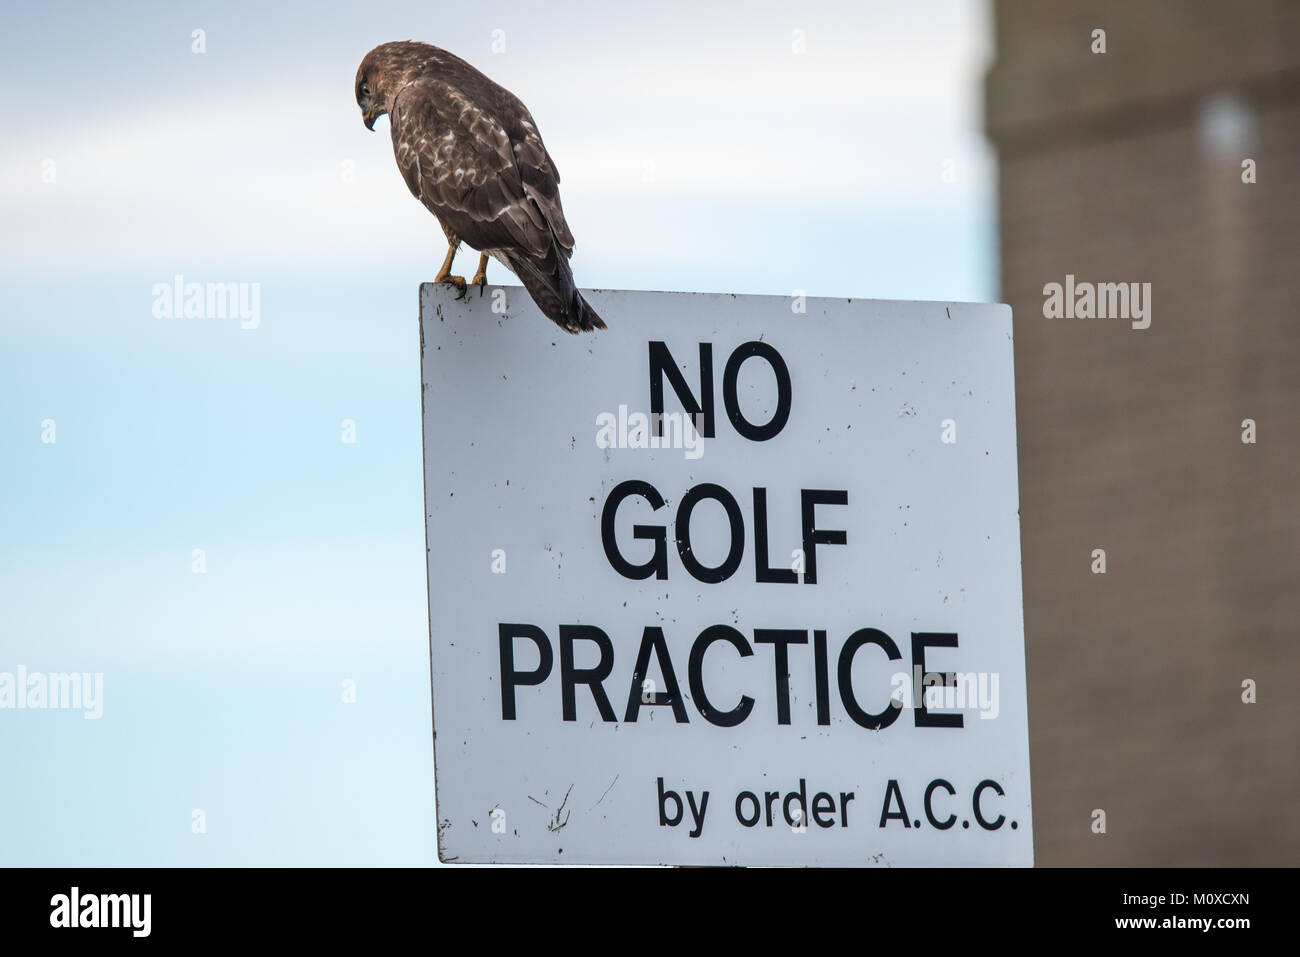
(365, 90)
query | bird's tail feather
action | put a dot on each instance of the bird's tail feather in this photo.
(550, 282)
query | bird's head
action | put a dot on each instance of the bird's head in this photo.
(382, 74)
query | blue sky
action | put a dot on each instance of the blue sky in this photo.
(698, 152)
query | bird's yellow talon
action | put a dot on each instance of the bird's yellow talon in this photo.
(480, 277)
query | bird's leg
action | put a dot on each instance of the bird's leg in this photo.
(444, 274)
(480, 277)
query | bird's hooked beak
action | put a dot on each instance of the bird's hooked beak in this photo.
(370, 113)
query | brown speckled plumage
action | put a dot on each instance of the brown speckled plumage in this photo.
(470, 152)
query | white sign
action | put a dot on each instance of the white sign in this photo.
(736, 581)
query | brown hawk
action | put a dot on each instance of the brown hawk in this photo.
(471, 153)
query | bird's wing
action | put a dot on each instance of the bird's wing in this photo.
(458, 157)
(539, 174)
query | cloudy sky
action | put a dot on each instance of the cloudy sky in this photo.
(699, 151)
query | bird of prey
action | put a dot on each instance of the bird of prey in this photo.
(471, 153)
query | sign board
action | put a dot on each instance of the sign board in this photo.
(736, 581)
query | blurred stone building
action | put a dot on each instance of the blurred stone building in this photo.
(1127, 166)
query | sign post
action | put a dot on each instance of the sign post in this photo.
(734, 582)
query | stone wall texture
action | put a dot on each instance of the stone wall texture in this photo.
(1126, 166)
